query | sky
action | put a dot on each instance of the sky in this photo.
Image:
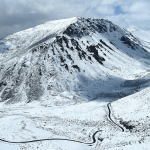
(17, 15)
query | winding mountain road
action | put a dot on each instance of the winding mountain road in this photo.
(59, 139)
(53, 139)
(109, 115)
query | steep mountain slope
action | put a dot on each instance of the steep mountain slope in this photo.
(74, 58)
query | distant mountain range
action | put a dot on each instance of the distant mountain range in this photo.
(143, 35)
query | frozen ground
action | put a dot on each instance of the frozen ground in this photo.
(79, 122)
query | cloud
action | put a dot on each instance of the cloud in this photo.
(18, 15)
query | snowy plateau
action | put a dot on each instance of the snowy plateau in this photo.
(75, 84)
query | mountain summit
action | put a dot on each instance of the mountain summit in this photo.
(76, 59)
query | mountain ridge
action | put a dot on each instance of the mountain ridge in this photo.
(76, 55)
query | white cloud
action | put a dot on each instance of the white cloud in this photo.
(28, 13)
(105, 10)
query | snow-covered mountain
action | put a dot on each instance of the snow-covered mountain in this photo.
(78, 56)
(143, 35)
(81, 83)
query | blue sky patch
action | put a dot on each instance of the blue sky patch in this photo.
(118, 10)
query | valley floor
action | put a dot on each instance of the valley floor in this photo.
(122, 124)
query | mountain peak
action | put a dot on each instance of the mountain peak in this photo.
(73, 27)
(133, 28)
